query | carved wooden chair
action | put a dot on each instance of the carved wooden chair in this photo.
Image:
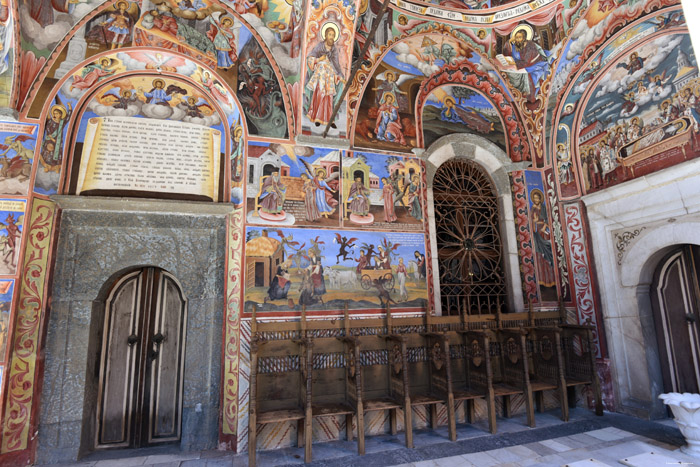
(337, 390)
(478, 372)
(438, 389)
(280, 387)
(579, 362)
(384, 365)
(547, 371)
(513, 371)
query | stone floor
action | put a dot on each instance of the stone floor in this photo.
(585, 441)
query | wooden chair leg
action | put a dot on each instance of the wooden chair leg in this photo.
(392, 421)
(563, 403)
(433, 416)
(408, 423)
(451, 422)
(252, 440)
(507, 411)
(308, 420)
(491, 403)
(539, 401)
(348, 426)
(530, 407)
(360, 432)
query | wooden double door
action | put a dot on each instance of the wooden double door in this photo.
(142, 362)
(675, 297)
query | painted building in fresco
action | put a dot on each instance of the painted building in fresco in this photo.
(205, 152)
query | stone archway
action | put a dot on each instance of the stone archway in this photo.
(497, 166)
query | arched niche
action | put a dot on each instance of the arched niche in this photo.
(75, 89)
(496, 164)
(253, 68)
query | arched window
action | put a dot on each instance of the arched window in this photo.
(468, 240)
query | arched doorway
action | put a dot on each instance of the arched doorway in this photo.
(139, 399)
(675, 298)
(469, 249)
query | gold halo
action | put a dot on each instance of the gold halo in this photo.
(321, 171)
(529, 32)
(398, 19)
(635, 119)
(61, 108)
(561, 145)
(388, 94)
(124, 91)
(332, 26)
(238, 130)
(480, 31)
(450, 98)
(157, 80)
(387, 73)
(537, 191)
(225, 19)
(116, 7)
(363, 6)
(667, 101)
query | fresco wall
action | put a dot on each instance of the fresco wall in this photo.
(580, 95)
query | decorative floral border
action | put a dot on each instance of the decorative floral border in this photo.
(22, 378)
(524, 238)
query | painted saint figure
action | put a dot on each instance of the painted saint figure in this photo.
(324, 194)
(52, 145)
(565, 165)
(525, 54)
(119, 25)
(388, 196)
(542, 234)
(448, 113)
(413, 191)
(316, 269)
(280, 283)
(358, 197)
(272, 194)
(309, 191)
(157, 95)
(387, 126)
(325, 74)
(224, 42)
(236, 152)
(420, 263)
(92, 73)
(401, 276)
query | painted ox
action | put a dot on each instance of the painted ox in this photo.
(341, 279)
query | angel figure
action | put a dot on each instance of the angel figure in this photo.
(93, 73)
(323, 192)
(221, 35)
(12, 238)
(390, 83)
(119, 98)
(193, 106)
(214, 87)
(52, 143)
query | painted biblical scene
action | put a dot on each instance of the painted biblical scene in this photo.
(642, 115)
(460, 109)
(329, 44)
(7, 57)
(325, 269)
(542, 236)
(474, 4)
(381, 191)
(6, 291)
(293, 185)
(17, 144)
(524, 53)
(11, 227)
(567, 158)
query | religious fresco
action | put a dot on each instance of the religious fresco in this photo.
(17, 143)
(640, 115)
(205, 31)
(329, 32)
(325, 269)
(542, 235)
(7, 55)
(293, 185)
(11, 228)
(382, 191)
(6, 291)
(459, 109)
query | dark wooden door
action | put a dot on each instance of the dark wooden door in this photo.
(675, 295)
(142, 360)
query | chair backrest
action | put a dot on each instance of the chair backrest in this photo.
(398, 367)
(544, 349)
(438, 350)
(579, 352)
(513, 357)
(479, 372)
